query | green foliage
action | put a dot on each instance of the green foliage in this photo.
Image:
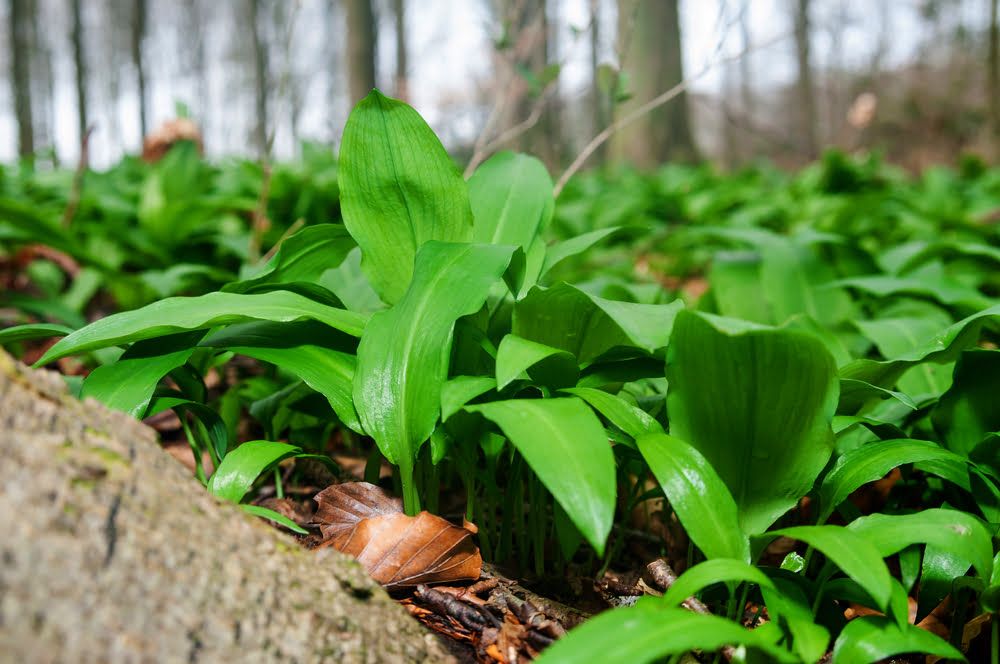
(552, 360)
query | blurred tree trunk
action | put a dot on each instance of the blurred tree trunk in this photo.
(138, 32)
(806, 98)
(529, 20)
(746, 63)
(402, 88)
(650, 36)
(43, 76)
(80, 66)
(993, 67)
(601, 95)
(260, 80)
(20, 58)
(361, 36)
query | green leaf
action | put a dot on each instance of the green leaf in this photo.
(129, 383)
(564, 443)
(403, 355)
(757, 404)
(317, 355)
(32, 331)
(460, 390)
(710, 572)
(560, 251)
(929, 281)
(304, 256)
(398, 190)
(877, 638)
(957, 532)
(702, 503)
(544, 364)
(944, 347)
(789, 607)
(511, 198)
(630, 419)
(588, 326)
(280, 519)
(650, 631)
(853, 554)
(241, 467)
(177, 314)
(855, 393)
(870, 463)
(215, 427)
(967, 413)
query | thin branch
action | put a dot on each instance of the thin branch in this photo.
(648, 107)
(508, 135)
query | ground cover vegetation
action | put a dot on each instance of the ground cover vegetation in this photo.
(782, 386)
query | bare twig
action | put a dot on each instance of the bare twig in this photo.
(508, 135)
(81, 169)
(299, 223)
(648, 107)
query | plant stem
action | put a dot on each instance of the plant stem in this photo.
(411, 498)
(279, 488)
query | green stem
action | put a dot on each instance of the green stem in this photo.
(279, 488)
(411, 498)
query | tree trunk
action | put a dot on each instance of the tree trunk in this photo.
(20, 57)
(80, 65)
(360, 49)
(112, 552)
(993, 69)
(260, 81)
(806, 98)
(402, 87)
(138, 36)
(650, 36)
(600, 96)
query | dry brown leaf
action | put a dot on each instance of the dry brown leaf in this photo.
(340, 507)
(399, 550)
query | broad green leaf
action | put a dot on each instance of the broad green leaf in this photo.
(511, 198)
(970, 410)
(177, 314)
(398, 190)
(710, 572)
(280, 519)
(944, 347)
(348, 282)
(32, 331)
(736, 289)
(545, 365)
(702, 503)
(317, 355)
(958, 532)
(588, 326)
(183, 276)
(757, 404)
(630, 419)
(870, 463)
(241, 467)
(794, 277)
(929, 281)
(303, 256)
(897, 335)
(876, 638)
(129, 383)
(650, 631)
(564, 443)
(460, 390)
(403, 355)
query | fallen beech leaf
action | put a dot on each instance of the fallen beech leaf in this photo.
(340, 507)
(399, 550)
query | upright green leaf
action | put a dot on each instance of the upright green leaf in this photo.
(403, 355)
(757, 404)
(177, 314)
(32, 331)
(511, 197)
(710, 572)
(630, 419)
(702, 503)
(970, 410)
(303, 256)
(564, 443)
(544, 364)
(398, 190)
